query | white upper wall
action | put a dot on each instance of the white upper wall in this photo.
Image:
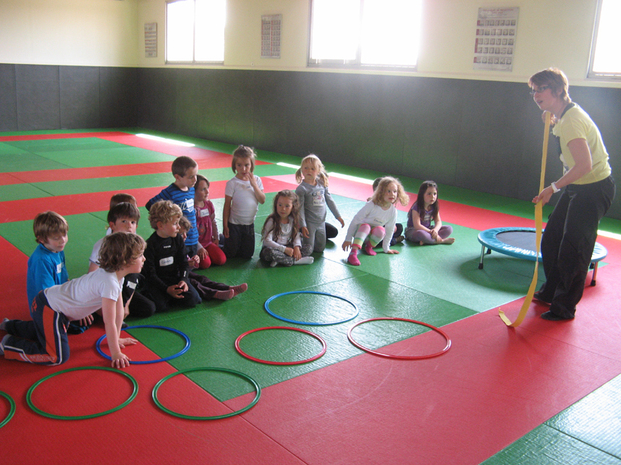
(111, 33)
(69, 32)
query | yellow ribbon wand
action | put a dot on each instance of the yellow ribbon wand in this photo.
(538, 227)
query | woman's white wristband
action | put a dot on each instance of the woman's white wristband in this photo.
(554, 188)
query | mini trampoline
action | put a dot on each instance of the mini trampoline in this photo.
(520, 243)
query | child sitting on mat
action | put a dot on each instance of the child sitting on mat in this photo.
(43, 340)
(207, 288)
(166, 267)
(242, 196)
(424, 223)
(206, 225)
(370, 224)
(120, 198)
(397, 236)
(282, 240)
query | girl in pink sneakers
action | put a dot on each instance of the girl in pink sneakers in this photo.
(369, 226)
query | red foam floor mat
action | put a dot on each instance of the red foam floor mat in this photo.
(76, 135)
(140, 431)
(75, 204)
(491, 388)
(453, 213)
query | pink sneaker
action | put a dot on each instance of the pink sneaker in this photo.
(353, 259)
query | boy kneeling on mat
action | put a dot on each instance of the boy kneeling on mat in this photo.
(43, 340)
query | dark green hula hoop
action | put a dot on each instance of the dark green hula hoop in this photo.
(215, 417)
(11, 409)
(81, 417)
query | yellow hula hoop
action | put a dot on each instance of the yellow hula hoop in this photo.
(538, 229)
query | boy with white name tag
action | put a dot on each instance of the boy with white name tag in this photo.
(46, 265)
(166, 268)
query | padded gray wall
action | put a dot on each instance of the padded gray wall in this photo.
(481, 135)
(34, 97)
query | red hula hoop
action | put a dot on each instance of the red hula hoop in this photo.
(250, 357)
(401, 357)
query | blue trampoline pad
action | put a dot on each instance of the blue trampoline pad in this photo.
(521, 243)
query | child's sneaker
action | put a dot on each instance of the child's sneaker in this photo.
(3, 324)
(3, 342)
(397, 240)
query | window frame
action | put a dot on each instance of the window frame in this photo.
(194, 60)
(614, 76)
(355, 64)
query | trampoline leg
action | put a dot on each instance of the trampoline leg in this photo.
(594, 277)
(482, 255)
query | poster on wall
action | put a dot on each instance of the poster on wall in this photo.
(496, 32)
(150, 40)
(271, 26)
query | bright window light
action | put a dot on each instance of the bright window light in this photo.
(180, 31)
(390, 32)
(287, 165)
(609, 234)
(351, 178)
(163, 139)
(332, 174)
(335, 29)
(210, 22)
(606, 57)
(365, 32)
(195, 31)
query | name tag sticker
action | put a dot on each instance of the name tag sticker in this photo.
(167, 261)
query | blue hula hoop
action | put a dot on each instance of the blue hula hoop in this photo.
(147, 362)
(311, 323)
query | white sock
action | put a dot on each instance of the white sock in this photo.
(2, 344)
(304, 261)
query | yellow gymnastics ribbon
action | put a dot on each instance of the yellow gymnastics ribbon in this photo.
(538, 227)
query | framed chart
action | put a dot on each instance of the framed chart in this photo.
(270, 36)
(496, 33)
(150, 40)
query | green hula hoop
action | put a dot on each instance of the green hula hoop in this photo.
(11, 408)
(81, 417)
(215, 417)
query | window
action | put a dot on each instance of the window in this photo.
(605, 56)
(195, 31)
(374, 33)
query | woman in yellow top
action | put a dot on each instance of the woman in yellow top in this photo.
(588, 189)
